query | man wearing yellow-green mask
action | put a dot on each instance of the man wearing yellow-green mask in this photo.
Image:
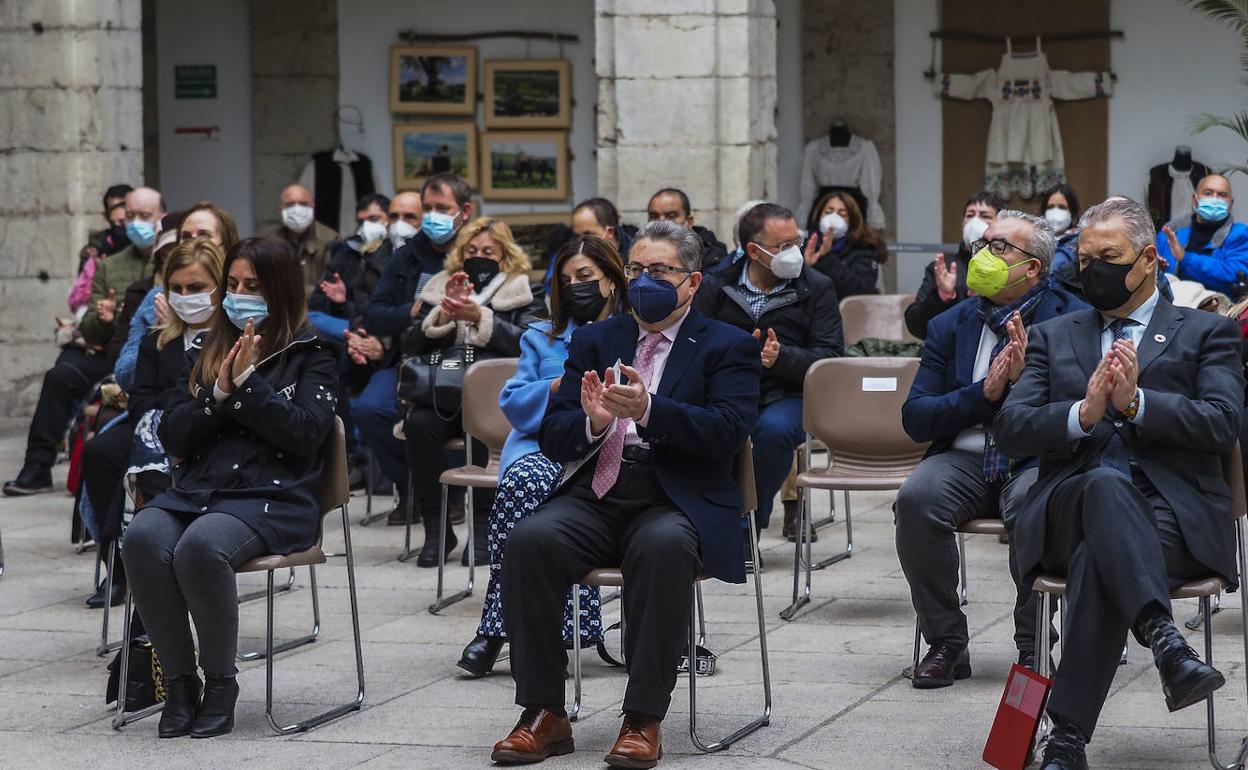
(974, 352)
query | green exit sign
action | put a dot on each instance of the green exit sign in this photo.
(195, 81)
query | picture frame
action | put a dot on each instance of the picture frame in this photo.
(424, 149)
(533, 232)
(433, 80)
(524, 165)
(528, 93)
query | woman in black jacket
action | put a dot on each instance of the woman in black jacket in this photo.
(245, 439)
(483, 299)
(843, 247)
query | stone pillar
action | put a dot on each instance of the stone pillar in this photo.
(71, 124)
(294, 90)
(687, 99)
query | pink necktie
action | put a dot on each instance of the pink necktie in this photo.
(607, 469)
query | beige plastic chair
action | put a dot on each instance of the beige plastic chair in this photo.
(484, 421)
(1054, 586)
(613, 576)
(882, 316)
(334, 495)
(852, 406)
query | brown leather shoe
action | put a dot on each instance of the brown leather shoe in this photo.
(538, 734)
(943, 664)
(640, 744)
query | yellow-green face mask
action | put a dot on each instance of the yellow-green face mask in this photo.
(989, 274)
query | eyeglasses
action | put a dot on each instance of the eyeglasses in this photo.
(658, 271)
(998, 247)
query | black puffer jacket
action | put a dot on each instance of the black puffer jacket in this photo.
(927, 302)
(257, 454)
(851, 266)
(504, 318)
(359, 272)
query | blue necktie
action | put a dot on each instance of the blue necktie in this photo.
(1115, 455)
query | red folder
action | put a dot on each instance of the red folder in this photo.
(1013, 731)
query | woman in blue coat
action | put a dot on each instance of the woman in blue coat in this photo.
(591, 286)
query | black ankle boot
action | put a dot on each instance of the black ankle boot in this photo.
(216, 712)
(429, 551)
(181, 703)
(1185, 680)
(481, 654)
(1065, 750)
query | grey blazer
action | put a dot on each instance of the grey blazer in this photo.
(1193, 384)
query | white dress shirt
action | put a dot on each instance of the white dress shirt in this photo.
(972, 439)
(1142, 316)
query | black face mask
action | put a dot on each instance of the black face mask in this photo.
(583, 301)
(480, 270)
(117, 234)
(1105, 284)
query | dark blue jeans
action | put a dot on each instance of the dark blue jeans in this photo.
(376, 411)
(776, 434)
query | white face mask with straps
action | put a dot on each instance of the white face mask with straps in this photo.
(193, 308)
(786, 265)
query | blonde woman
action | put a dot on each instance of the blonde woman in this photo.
(482, 299)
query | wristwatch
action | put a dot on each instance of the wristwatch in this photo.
(1134, 407)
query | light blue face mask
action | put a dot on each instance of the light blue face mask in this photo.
(1211, 209)
(242, 308)
(140, 233)
(438, 226)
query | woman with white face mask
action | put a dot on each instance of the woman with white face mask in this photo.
(843, 247)
(1060, 208)
(944, 281)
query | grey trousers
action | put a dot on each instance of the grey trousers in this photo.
(942, 494)
(178, 565)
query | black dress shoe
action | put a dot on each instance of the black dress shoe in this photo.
(482, 558)
(181, 703)
(96, 600)
(1185, 679)
(943, 664)
(1064, 750)
(428, 556)
(357, 477)
(216, 711)
(481, 654)
(33, 480)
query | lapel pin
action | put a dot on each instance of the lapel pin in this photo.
(1159, 338)
(691, 339)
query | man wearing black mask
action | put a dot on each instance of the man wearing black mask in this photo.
(1130, 408)
(112, 239)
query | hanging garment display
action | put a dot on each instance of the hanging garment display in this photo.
(1024, 141)
(326, 175)
(854, 165)
(1171, 187)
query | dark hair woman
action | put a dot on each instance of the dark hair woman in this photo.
(589, 286)
(245, 440)
(1060, 208)
(843, 247)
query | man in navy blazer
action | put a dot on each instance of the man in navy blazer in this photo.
(650, 414)
(974, 352)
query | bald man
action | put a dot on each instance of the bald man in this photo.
(77, 369)
(1209, 246)
(310, 239)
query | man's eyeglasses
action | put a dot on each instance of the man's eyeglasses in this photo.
(998, 247)
(659, 272)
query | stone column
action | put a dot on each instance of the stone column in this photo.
(71, 124)
(294, 90)
(687, 98)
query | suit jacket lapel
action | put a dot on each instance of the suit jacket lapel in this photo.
(1086, 339)
(967, 348)
(623, 343)
(1161, 330)
(681, 355)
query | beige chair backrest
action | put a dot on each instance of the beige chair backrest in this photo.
(876, 315)
(334, 490)
(745, 478)
(483, 418)
(853, 405)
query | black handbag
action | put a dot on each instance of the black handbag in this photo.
(436, 380)
(145, 684)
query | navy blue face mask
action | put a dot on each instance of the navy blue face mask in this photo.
(651, 299)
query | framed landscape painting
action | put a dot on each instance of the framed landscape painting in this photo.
(433, 80)
(536, 234)
(528, 93)
(424, 149)
(525, 165)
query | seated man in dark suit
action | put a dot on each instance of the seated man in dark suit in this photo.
(1130, 410)
(648, 485)
(974, 352)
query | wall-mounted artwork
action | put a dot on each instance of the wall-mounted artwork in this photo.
(525, 165)
(424, 149)
(536, 234)
(433, 80)
(526, 93)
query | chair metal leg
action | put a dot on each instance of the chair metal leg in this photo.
(260, 593)
(908, 673)
(441, 602)
(1194, 622)
(369, 516)
(962, 568)
(1044, 624)
(270, 649)
(576, 661)
(104, 648)
(123, 717)
(698, 607)
(1, 555)
(800, 596)
(290, 644)
(760, 721)
(407, 552)
(1207, 618)
(849, 541)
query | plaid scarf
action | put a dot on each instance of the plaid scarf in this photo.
(996, 465)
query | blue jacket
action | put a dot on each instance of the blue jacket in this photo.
(525, 395)
(700, 416)
(945, 399)
(1215, 270)
(144, 320)
(389, 310)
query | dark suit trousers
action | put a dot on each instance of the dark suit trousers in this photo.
(635, 527)
(70, 379)
(1119, 545)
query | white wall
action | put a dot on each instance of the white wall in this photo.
(789, 104)
(1172, 65)
(193, 168)
(367, 29)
